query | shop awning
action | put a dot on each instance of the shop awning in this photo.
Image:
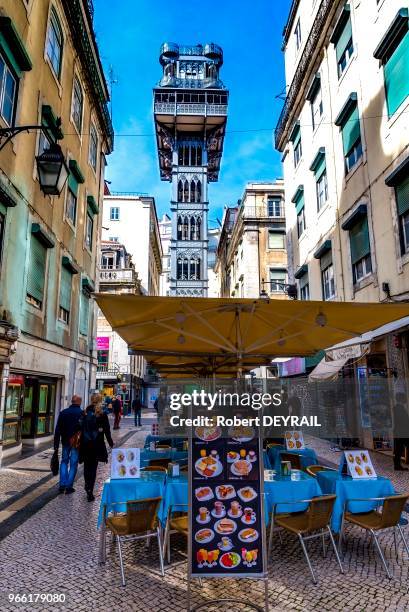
(326, 370)
(224, 334)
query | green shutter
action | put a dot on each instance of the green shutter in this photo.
(36, 271)
(402, 196)
(344, 39)
(297, 138)
(299, 204)
(397, 76)
(303, 280)
(351, 131)
(359, 240)
(320, 168)
(84, 314)
(72, 184)
(65, 288)
(326, 260)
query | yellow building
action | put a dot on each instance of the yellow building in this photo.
(51, 69)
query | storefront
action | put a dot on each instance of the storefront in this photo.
(29, 410)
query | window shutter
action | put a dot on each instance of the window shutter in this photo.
(84, 314)
(344, 39)
(397, 76)
(351, 130)
(65, 288)
(359, 240)
(299, 205)
(36, 273)
(326, 260)
(320, 169)
(402, 196)
(303, 280)
(297, 138)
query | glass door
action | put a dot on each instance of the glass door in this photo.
(13, 409)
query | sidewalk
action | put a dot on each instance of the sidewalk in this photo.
(55, 550)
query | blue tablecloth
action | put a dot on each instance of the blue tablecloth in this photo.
(308, 456)
(175, 442)
(151, 484)
(346, 488)
(147, 455)
(176, 494)
(284, 489)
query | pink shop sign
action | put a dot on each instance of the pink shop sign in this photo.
(102, 343)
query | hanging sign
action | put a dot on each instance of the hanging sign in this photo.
(226, 512)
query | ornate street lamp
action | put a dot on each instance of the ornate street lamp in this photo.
(52, 170)
(291, 290)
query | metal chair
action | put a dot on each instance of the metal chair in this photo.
(312, 523)
(312, 470)
(177, 522)
(140, 522)
(293, 458)
(163, 447)
(154, 468)
(385, 515)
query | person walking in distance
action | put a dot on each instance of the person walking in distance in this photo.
(94, 429)
(137, 409)
(117, 410)
(68, 425)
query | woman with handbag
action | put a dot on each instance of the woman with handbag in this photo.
(94, 429)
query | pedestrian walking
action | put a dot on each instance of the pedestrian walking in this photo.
(117, 410)
(94, 429)
(137, 409)
(66, 432)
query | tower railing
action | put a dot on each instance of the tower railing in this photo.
(184, 108)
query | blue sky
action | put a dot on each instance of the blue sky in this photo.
(250, 33)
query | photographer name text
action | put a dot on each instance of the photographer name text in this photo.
(291, 421)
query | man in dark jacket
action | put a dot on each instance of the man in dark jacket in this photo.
(137, 409)
(67, 425)
(117, 410)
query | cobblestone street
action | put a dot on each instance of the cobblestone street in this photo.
(55, 550)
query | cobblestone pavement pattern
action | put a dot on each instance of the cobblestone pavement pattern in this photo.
(56, 551)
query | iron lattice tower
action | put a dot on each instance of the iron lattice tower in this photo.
(190, 110)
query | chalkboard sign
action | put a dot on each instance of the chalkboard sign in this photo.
(226, 518)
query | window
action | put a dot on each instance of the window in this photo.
(8, 90)
(297, 35)
(77, 104)
(348, 121)
(297, 149)
(71, 206)
(113, 239)
(316, 108)
(114, 213)
(362, 268)
(65, 295)
(402, 203)
(274, 207)
(344, 46)
(54, 43)
(43, 142)
(305, 292)
(278, 278)
(84, 313)
(276, 240)
(393, 51)
(108, 261)
(93, 147)
(2, 228)
(89, 230)
(322, 189)
(327, 278)
(359, 244)
(36, 272)
(301, 226)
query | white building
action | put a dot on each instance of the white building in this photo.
(212, 276)
(132, 220)
(165, 232)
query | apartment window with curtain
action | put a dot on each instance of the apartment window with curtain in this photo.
(324, 255)
(343, 40)
(295, 138)
(114, 213)
(65, 295)
(55, 42)
(93, 147)
(8, 92)
(357, 226)
(36, 272)
(89, 230)
(277, 279)
(276, 240)
(348, 122)
(393, 52)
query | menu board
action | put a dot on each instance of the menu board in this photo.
(226, 503)
(359, 464)
(294, 440)
(125, 463)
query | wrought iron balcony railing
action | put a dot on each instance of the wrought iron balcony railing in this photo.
(117, 275)
(170, 108)
(264, 212)
(311, 48)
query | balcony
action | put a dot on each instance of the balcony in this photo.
(112, 370)
(181, 108)
(117, 276)
(273, 213)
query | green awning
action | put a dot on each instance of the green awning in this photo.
(13, 46)
(76, 171)
(69, 264)
(51, 122)
(393, 35)
(92, 205)
(42, 236)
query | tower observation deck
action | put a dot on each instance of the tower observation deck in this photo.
(190, 111)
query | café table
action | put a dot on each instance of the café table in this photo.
(283, 489)
(176, 494)
(345, 488)
(117, 491)
(308, 456)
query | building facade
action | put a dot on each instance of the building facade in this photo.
(117, 371)
(212, 277)
(131, 219)
(344, 135)
(252, 256)
(190, 111)
(165, 232)
(51, 77)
